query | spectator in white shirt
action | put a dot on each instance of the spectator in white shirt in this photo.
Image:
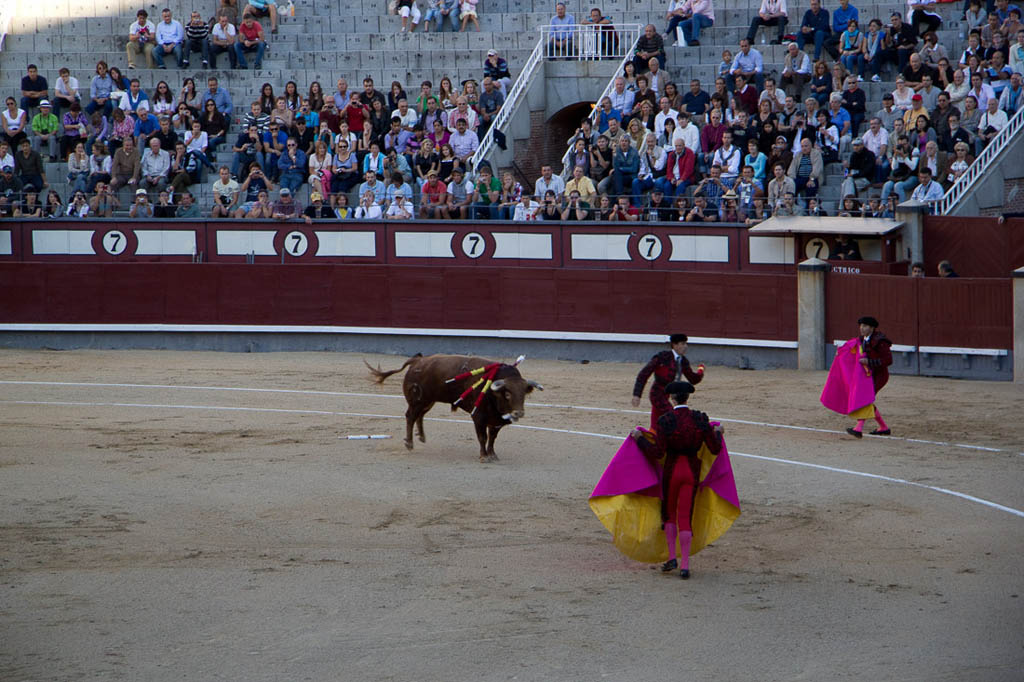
(368, 208)
(621, 98)
(141, 37)
(666, 112)
(546, 181)
(155, 165)
(400, 208)
(464, 142)
(687, 132)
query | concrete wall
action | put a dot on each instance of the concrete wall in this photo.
(989, 195)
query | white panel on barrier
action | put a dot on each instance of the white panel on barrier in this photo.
(424, 244)
(600, 247)
(522, 245)
(62, 242)
(165, 242)
(5, 243)
(771, 250)
(700, 248)
(346, 244)
(244, 242)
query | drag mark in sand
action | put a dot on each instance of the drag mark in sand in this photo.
(777, 460)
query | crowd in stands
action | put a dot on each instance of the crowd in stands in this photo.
(756, 145)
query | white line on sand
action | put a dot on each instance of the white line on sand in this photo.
(350, 394)
(851, 472)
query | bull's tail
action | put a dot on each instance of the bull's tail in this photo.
(378, 375)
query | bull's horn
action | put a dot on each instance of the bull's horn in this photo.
(534, 384)
(498, 385)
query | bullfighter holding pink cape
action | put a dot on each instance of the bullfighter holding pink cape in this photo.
(859, 371)
(654, 507)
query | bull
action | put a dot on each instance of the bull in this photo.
(427, 383)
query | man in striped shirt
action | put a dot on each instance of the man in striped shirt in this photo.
(196, 33)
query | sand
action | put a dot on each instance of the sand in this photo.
(148, 536)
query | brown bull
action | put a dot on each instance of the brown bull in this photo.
(426, 383)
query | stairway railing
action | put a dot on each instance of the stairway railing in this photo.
(966, 182)
(588, 42)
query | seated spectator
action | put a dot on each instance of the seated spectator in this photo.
(575, 208)
(992, 121)
(372, 184)
(342, 210)
(320, 169)
(65, 91)
(901, 41)
(927, 189)
(141, 208)
(274, 141)
(807, 169)
(901, 167)
(433, 197)
(197, 34)
(317, 210)
(727, 157)
(146, 125)
(54, 207)
(396, 185)
(170, 36)
(78, 207)
(164, 208)
(691, 16)
(45, 128)
(15, 123)
(247, 149)
(125, 167)
(561, 42)
(260, 9)
(28, 164)
(141, 39)
(467, 13)
(702, 211)
(496, 68)
(771, 13)
(185, 168)
(219, 95)
(815, 28)
(1010, 101)
(918, 16)
(750, 64)
(460, 195)
(946, 269)
(407, 9)
(464, 142)
(368, 208)
(679, 169)
(286, 208)
(292, 166)
(154, 167)
(250, 39)
(197, 142)
(860, 169)
(262, 207)
(105, 201)
(34, 88)
(400, 208)
(225, 194)
(254, 188)
(222, 39)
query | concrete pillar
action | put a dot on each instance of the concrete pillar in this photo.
(810, 296)
(912, 213)
(1018, 325)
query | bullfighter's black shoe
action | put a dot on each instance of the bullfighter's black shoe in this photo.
(669, 566)
(882, 432)
(854, 432)
(684, 574)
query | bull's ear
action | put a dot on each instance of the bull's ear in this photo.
(498, 385)
(530, 385)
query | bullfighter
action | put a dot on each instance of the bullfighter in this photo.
(667, 366)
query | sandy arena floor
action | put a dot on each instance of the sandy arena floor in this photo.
(161, 531)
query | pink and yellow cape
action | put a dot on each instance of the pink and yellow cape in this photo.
(627, 500)
(849, 389)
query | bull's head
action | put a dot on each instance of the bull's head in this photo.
(510, 394)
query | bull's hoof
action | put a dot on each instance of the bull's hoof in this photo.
(408, 444)
(423, 439)
(488, 459)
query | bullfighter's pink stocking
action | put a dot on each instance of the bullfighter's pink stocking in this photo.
(881, 422)
(671, 536)
(860, 425)
(684, 548)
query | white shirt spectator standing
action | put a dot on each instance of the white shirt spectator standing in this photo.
(169, 36)
(141, 37)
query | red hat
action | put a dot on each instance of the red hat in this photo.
(916, 98)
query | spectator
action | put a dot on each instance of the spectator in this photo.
(433, 197)
(125, 167)
(771, 13)
(146, 126)
(946, 269)
(396, 185)
(105, 201)
(957, 164)
(15, 123)
(141, 208)
(580, 184)
(250, 39)
(679, 167)
(491, 101)
(1010, 102)
(841, 18)
(408, 9)
(560, 44)
(154, 167)
(197, 34)
(927, 189)
(460, 195)
(292, 166)
(78, 168)
(992, 121)
(197, 141)
(141, 37)
(286, 208)
(28, 164)
(815, 28)
(851, 48)
(372, 184)
(691, 16)
(260, 9)
(317, 210)
(219, 95)
(464, 142)
(780, 185)
(448, 9)
(900, 168)
(918, 15)
(368, 208)
(34, 88)
(497, 69)
(255, 188)
(901, 41)
(247, 150)
(618, 104)
(917, 270)
(954, 135)
(467, 12)
(854, 102)
(225, 194)
(998, 74)
(134, 97)
(649, 46)
(44, 130)
(601, 163)
(222, 39)
(807, 169)
(701, 212)
(860, 169)
(486, 196)
(170, 35)
(65, 91)
(78, 207)
(185, 168)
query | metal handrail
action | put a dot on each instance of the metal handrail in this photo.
(515, 93)
(974, 173)
(628, 53)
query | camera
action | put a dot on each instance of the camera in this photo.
(225, 200)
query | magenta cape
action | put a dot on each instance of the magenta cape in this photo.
(848, 387)
(627, 500)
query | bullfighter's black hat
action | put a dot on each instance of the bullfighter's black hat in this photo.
(679, 388)
(869, 321)
(678, 338)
